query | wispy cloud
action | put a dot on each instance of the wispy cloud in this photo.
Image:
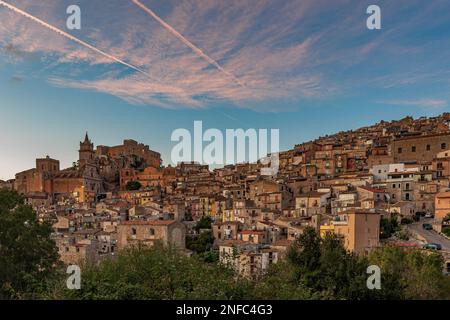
(196, 53)
(424, 103)
(188, 43)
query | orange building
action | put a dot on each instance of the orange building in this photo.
(48, 178)
(131, 147)
(442, 205)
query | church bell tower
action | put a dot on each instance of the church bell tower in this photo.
(86, 152)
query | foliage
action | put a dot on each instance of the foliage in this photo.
(281, 283)
(27, 254)
(201, 243)
(315, 268)
(203, 223)
(324, 267)
(412, 274)
(388, 226)
(403, 234)
(133, 185)
(446, 231)
(158, 273)
(406, 220)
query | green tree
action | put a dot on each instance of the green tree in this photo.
(203, 223)
(158, 273)
(133, 185)
(411, 274)
(305, 255)
(343, 274)
(446, 231)
(201, 243)
(325, 269)
(281, 283)
(27, 254)
(388, 226)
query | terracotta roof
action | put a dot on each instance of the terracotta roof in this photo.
(375, 190)
(149, 222)
(251, 232)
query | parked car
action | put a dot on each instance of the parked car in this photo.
(427, 226)
(433, 246)
(428, 215)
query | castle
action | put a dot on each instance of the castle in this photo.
(96, 171)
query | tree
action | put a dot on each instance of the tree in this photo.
(446, 231)
(324, 269)
(27, 254)
(203, 223)
(411, 274)
(158, 273)
(388, 226)
(133, 185)
(343, 273)
(305, 255)
(9, 200)
(201, 243)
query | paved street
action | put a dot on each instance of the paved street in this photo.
(430, 235)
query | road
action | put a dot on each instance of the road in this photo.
(430, 236)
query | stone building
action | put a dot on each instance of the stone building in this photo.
(420, 148)
(168, 232)
(132, 147)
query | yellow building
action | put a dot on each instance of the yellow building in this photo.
(360, 230)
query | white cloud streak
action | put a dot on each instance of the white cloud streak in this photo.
(70, 37)
(188, 43)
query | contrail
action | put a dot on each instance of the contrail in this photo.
(70, 37)
(194, 48)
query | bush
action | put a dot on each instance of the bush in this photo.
(388, 227)
(406, 221)
(159, 273)
(446, 231)
(133, 185)
(403, 235)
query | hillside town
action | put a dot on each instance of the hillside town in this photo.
(114, 197)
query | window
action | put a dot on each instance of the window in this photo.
(152, 231)
(393, 186)
(428, 147)
(413, 149)
(133, 231)
(399, 150)
(443, 146)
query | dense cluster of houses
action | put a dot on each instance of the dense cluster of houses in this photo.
(342, 183)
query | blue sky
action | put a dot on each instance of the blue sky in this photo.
(306, 67)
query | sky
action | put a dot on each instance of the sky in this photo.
(141, 69)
